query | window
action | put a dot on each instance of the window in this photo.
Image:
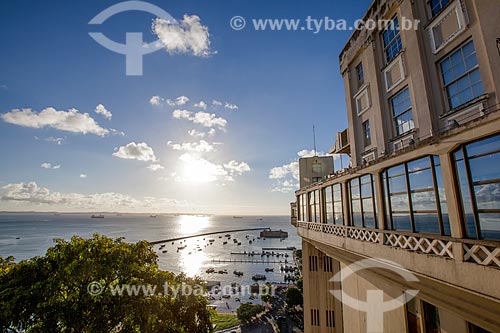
(402, 112)
(461, 77)
(317, 168)
(313, 263)
(367, 137)
(363, 202)
(333, 202)
(314, 317)
(314, 206)
(431, 317)
(437, 6)
(360, 74)
(476, 329)
(415, 199)
(330, 318)
(327, 264)
(476, 166)
(392, 40)
(303, 207)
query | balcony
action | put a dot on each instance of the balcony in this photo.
(460, 272)
(342, 145)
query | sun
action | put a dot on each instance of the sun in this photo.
(199, 170)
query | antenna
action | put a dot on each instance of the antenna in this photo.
(314, 140)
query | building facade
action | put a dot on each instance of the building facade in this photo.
(423, 190)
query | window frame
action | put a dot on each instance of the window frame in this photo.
(397, 36)
(330, 203)
(443, 7)
(360, 74)
(476, 211)
(367, 139)
(405, 111)
(463, 75)
(361, 199)
(409, 191)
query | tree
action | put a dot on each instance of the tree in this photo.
(247, 311)
(50, 293)
(293, 297)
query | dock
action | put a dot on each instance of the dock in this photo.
(250, 261)
(205, 234)
(279, 249)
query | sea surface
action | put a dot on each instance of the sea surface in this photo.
(24, 236)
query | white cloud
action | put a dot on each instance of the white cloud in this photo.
(47, 165)
(203, 118)
(135, 151)
(201, 105)
(181, 100)
(51, 139)
(199, 147)
(185, 36)
(309, 153)
(69, 121)
(156, 100)
(237, 168)
(199, 170)
(31, 193)
(116, 132)
(199, 134)
(155, 167)
(216, 103)
(82, 175)
(231, 106)
(101, 109)
(291, 169)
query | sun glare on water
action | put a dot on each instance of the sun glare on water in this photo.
(191, 224)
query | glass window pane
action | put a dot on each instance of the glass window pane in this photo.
(397, 184)
(466, 198)
(354, 186)
(421, 180)
(488, 196)
(424, 201)
(485, 167)
(490, 225)
(426, 223)
(483, 147)
(401, 222)
(338, 213)
(328, 194)
(369, 220)
(399, 203)
(356, 213)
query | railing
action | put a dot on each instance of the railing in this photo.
(479, 252)
(487, 254)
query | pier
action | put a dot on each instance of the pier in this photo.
(206, 234)
(250, 261)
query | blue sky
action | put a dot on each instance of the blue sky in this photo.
(282, 82)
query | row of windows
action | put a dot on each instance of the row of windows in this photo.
(315, 317)
(459, 71)
(414, 197)
(313, 263)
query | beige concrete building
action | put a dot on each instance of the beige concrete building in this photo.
(423, 192)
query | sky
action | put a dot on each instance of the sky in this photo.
(215, 124)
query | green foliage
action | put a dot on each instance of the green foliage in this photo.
(223, 321)
(49, 294)
(247, 311)
(293, 297)
(300, 285)
(266, 298)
